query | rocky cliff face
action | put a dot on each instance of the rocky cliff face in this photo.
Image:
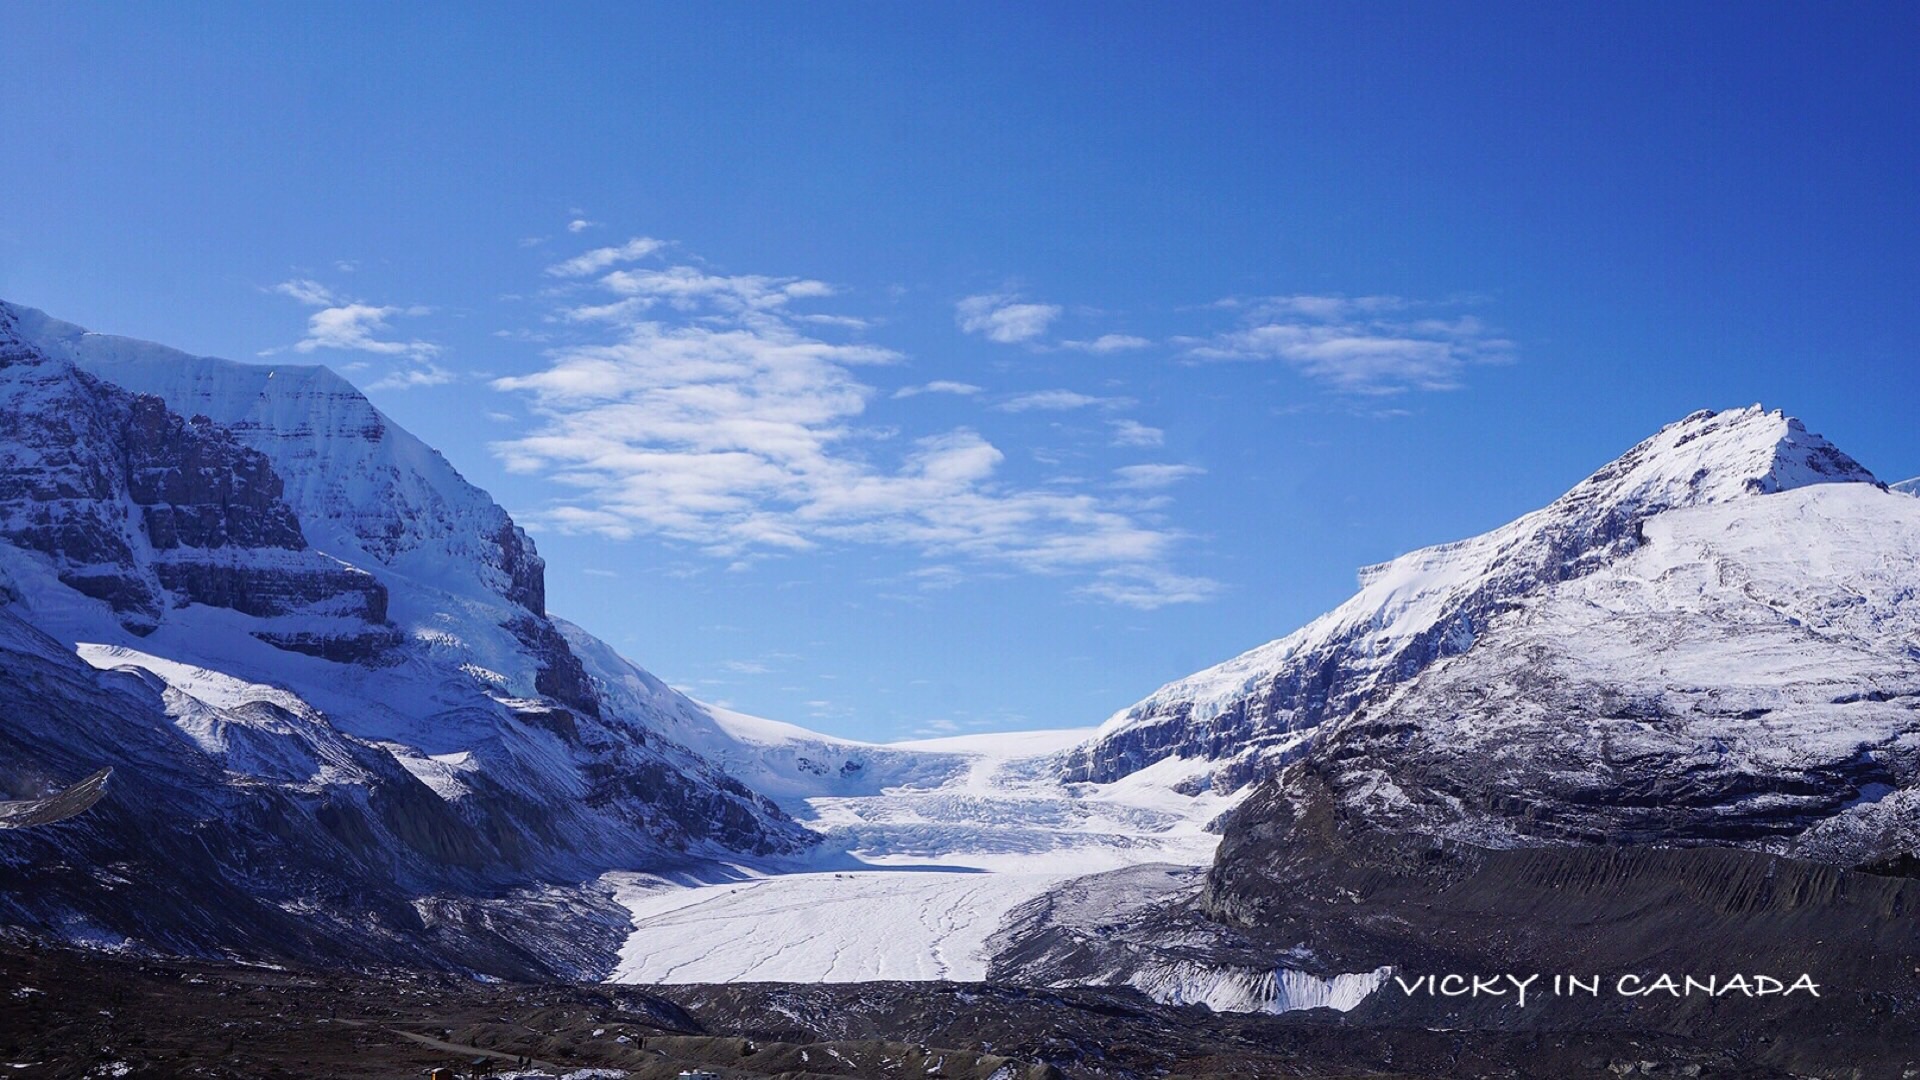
(1748, 676)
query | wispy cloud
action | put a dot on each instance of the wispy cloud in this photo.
(1149, 477)
(1149, 591)
(592, 262)
(1004, 318)
(349, 325)
(580, 225)
(1060, 401)
(708, 413)
(1107, 343)
(1369, 345)
(307, 291)
(1134, 433)
(938, 386)
(359, 328)
(426, 373)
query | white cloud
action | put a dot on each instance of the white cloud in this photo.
(1149, 477)
(578, 225)
(846, 321)
(426, 373)
(1321, 308)
(355, 328)
(352, 326)
(1003, 318)
(1107, 343)
(708, 414)
(1357, 345)
(1134, 433)
(1059, 401)
(687, 289)
(307, 291)
(938, 386)
(592, 262)
(1150, 590)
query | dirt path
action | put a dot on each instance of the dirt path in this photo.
(470, 1051)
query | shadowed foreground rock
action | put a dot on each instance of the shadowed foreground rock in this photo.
(74, 1014)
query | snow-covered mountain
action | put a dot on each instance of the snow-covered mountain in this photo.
(1748, 674)
(1670, 722)
(1253, 711)
(317, 603)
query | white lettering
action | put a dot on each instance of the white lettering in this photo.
(1520, 986)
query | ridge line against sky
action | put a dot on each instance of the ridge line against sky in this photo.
(904, 370)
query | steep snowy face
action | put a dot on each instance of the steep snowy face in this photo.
(128, 504)
(1435, 602)
(1749, 675)
(370, 492)
(1907, 487)
(460, 576)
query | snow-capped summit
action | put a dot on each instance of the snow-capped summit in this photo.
(1907, 487)
(1434, 602)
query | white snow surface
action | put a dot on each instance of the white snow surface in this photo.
(928, 845)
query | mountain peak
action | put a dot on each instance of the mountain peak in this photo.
(1434, 603)
(1711, 456)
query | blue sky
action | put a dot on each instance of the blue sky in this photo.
(921, 368)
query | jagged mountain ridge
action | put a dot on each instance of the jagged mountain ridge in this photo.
(320, 606)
